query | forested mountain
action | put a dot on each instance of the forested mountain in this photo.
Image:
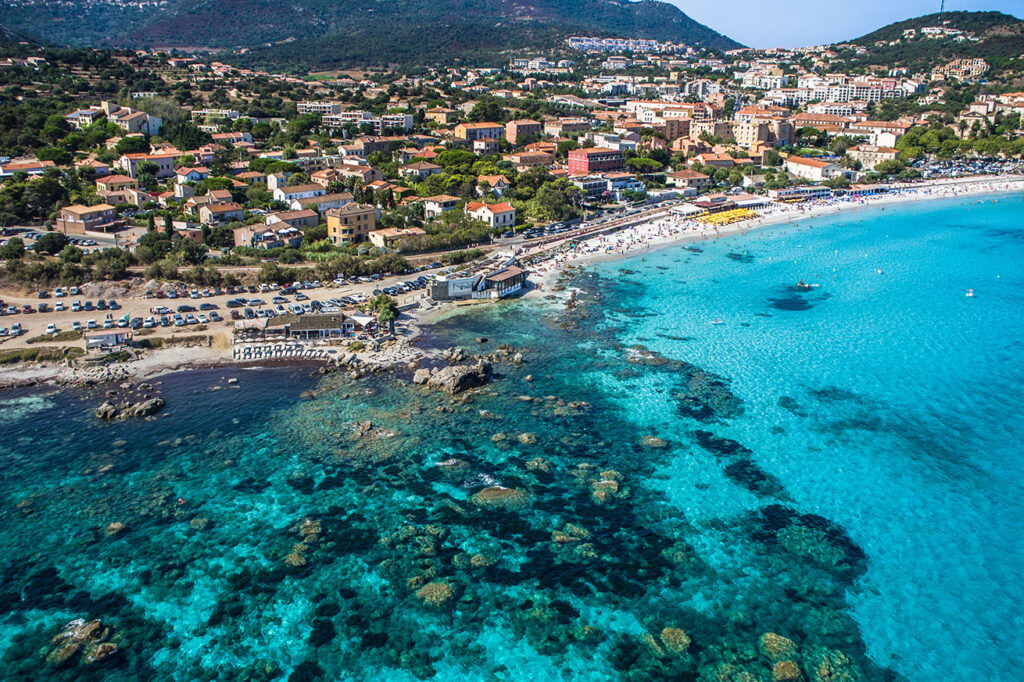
(323, 33)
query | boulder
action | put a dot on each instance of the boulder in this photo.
(106, 411)
(458, 378)
(421, 376)
(116, 528)
(654, 442)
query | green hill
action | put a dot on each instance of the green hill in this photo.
(329, 33)
(999, 39)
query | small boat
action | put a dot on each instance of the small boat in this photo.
(970, 293)
(716, 322)
(803, 286)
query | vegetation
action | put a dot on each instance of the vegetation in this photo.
(338, 33)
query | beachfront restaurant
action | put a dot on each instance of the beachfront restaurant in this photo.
(794, 194)
(308, 327)
(506, 282)
(859, 191)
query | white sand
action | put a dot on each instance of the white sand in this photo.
(671, 230)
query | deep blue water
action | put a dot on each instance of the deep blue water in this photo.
(841, 467)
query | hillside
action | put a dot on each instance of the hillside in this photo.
(328, 33)
(1000, 38)
(9, 36)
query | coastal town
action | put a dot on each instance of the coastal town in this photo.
(301, 217)
(536, 340)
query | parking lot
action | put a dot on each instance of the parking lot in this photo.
(171, 310)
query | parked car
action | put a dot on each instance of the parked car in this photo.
(51, 329)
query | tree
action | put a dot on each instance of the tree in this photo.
(61, 157)
(132, 145)
(70, 254)
(51, 243)
(168, 226)
(150, 223)
(13, 249)
(386, 309)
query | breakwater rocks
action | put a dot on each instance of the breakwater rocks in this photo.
(146, 408)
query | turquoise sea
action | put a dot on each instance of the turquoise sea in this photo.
(828, 485)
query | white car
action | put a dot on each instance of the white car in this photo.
(59, 293)
(16, 329)
(76, 325)
(3, 331)
(59, 306)
(51, 329)
(91, 324)
(149, 323)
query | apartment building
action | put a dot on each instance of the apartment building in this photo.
(594, 160)
(351, 224)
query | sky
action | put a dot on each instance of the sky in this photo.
(797, 23)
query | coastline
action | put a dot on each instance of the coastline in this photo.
(402, 350)
(654, 236)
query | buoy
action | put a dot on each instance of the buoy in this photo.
(181, 500)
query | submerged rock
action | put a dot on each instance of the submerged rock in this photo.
(786, 671)
(675, 640)
(654, 442)
(435, 594)
(776, 647)
(500, 497)
(116, 528)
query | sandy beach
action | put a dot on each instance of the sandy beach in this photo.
(213, 346)
(674, 230)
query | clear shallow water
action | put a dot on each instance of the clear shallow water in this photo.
(841, 467)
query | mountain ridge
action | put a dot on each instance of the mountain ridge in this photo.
(327, 33)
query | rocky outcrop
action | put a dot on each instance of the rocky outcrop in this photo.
(146, 408)
(458, 378)
(421, 376)
(106, 411)
(82, 641)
